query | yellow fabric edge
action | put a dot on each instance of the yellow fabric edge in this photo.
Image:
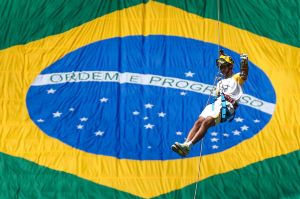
(21, 64)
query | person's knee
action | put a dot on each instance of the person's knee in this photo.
(199, 122)
(209, 121)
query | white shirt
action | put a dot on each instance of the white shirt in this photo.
(231, 86)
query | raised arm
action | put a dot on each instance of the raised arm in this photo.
(244, 67)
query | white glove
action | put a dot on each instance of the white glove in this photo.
(244, 56)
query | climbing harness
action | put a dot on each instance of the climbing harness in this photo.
(225, 113)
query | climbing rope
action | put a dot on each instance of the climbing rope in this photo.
(208, 100)
(218, 7)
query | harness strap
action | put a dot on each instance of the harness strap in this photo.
(224, 111)
(232, 101)
(224, 107)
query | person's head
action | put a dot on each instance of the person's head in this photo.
(225, 64)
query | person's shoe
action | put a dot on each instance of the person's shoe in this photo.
(177, 150)
(181, 149)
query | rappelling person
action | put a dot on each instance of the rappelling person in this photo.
(228, 92)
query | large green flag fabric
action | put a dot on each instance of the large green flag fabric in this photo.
(94, 93)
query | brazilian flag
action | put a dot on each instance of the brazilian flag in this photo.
(94, 93)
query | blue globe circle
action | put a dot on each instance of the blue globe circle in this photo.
(88, 104)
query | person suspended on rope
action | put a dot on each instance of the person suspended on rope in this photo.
(228, 92)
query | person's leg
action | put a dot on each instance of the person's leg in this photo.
(195, 128)
(184, 149)
(205, 125)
